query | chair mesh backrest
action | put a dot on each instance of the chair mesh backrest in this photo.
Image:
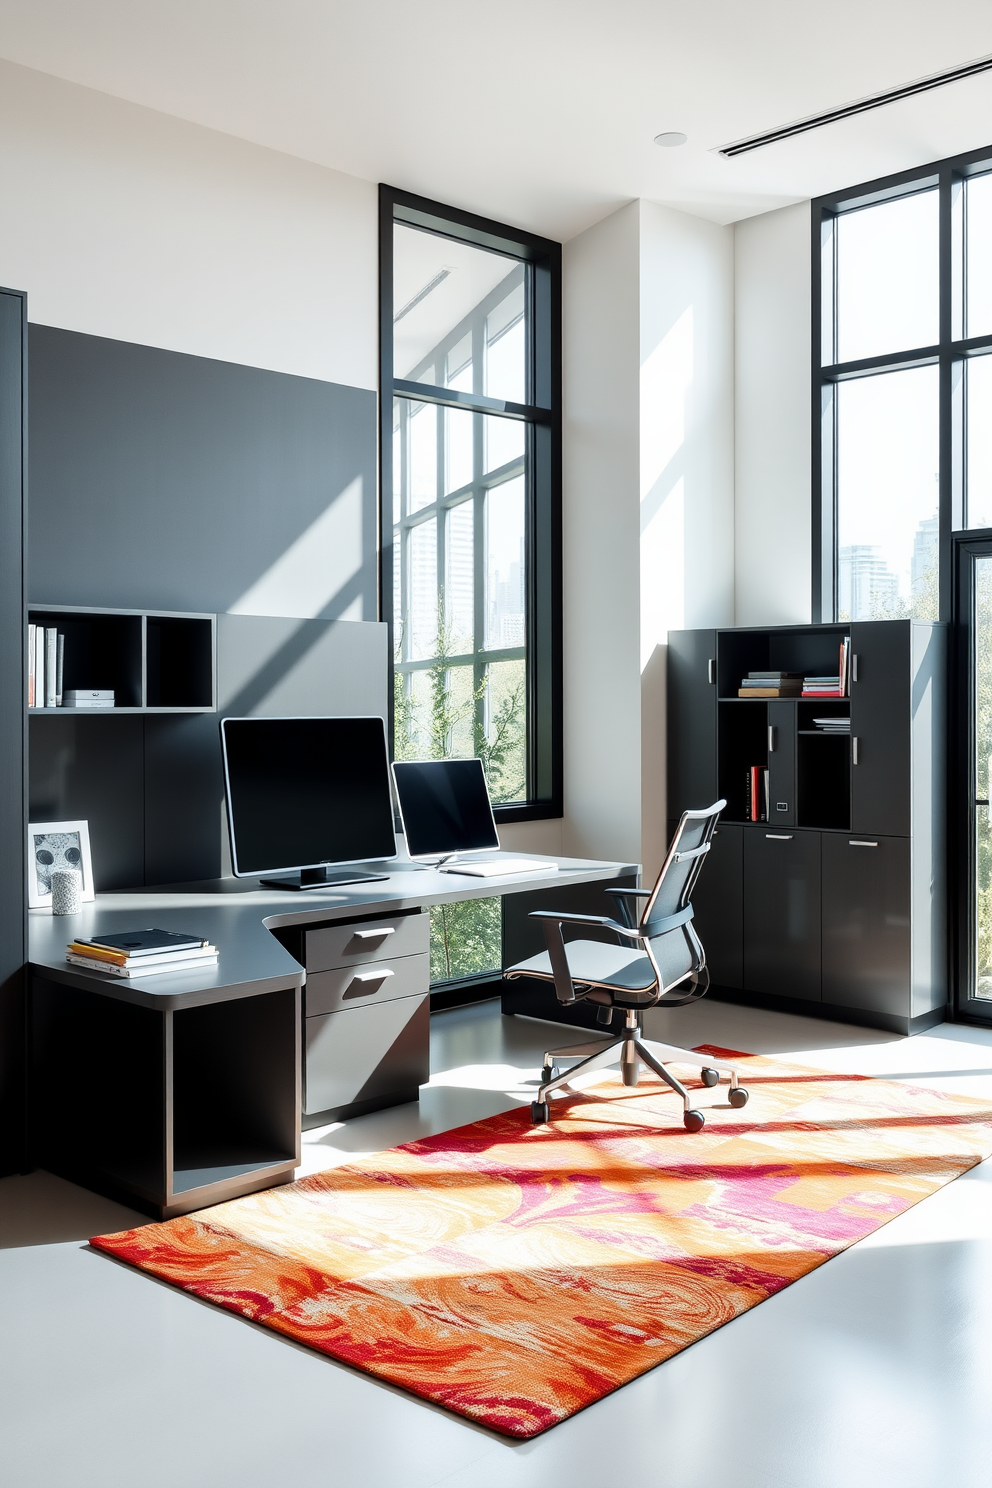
(677, 950)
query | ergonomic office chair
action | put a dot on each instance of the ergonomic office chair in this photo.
(663, 953)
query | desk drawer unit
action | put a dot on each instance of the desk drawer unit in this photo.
(371, 940)
(367, 1027)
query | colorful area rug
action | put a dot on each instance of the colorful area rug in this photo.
(516, 1274)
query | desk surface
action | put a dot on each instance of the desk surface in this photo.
(237, 915)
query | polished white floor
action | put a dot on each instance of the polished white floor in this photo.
(873, 1372)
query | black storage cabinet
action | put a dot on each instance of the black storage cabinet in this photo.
(836, 902)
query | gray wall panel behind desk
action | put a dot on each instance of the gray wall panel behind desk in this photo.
(165, 481)
(175, 482)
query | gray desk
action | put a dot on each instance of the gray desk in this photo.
(178, 1091)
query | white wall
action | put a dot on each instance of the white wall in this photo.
(123, 222)
(600, 540)
(772, 381)
(687, 465)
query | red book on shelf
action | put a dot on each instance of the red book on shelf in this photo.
(756, 792)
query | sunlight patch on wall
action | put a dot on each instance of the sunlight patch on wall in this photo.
(303, 580)
(663, 572)
(666, 375)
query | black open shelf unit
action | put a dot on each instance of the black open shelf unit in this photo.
(153, 660)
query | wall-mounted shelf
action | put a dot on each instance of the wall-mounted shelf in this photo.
(155, 661)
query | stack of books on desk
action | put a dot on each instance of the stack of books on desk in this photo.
(141, 953)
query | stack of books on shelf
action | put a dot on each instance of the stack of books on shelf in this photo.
(837, 684)
(833, 725)
(756, 799)
(45, 651)
(771, 685)
(141, 953)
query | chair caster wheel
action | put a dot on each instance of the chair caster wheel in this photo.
(539, 1113)
(694, 1121)
(549, 1072)
(738, 1097)
(709, 1076)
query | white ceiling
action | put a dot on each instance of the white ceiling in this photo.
(538, 112)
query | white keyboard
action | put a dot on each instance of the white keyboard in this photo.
(493, 867)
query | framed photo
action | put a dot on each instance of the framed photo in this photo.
(57, 845)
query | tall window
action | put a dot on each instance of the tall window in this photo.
(903, 428)
(470, 479)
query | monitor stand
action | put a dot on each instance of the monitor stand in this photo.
(323, 878)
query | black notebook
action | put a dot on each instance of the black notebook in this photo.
(146, 942)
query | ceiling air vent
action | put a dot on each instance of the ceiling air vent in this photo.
(861, 106)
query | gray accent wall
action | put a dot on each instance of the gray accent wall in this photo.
(164, 481)
(174, 482)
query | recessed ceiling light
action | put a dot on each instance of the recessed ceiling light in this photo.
(670, 139)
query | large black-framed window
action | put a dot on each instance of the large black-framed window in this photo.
(470, 449)
(902, 387)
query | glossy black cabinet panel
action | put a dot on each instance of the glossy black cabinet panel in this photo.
(718, 901)
(781, 764)
(692, 774)
(880, 727)
(782, 913)
(866, 922)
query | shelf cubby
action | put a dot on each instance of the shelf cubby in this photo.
(154, 661)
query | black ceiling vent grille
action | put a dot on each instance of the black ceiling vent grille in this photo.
(860, 106)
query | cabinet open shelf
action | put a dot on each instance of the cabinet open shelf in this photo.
(152, 660)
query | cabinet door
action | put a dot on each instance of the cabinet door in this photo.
(881, 711)
(692, 772)
(866, 923)
(782, 913)
(718, 903)
(781, 764)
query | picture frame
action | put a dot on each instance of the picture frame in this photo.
(57, 845)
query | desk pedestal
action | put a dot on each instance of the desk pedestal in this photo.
(167, 1110)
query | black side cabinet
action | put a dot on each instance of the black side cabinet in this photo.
(834, 900)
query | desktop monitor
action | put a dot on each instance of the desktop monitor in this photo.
(305, 796)
(445, 807)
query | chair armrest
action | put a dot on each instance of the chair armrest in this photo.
(600, 922)
(624, 898)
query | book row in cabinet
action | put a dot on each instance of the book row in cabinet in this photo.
(835, 895)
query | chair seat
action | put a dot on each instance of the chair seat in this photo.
(622, 970)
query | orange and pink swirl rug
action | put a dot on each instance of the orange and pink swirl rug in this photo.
(515, 1273)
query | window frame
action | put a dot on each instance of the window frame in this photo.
(542, 417)
(950, 355)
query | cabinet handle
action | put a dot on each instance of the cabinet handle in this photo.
(854, 667)
(771, 738)
(375, 934)
(779, 836)
(854, 749)
(711, 670)
(372, 976)
(856, 842)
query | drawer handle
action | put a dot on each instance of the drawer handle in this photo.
(855, 751)
(856, 842)
(375, 934)
(365, 984)
(779, 836)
